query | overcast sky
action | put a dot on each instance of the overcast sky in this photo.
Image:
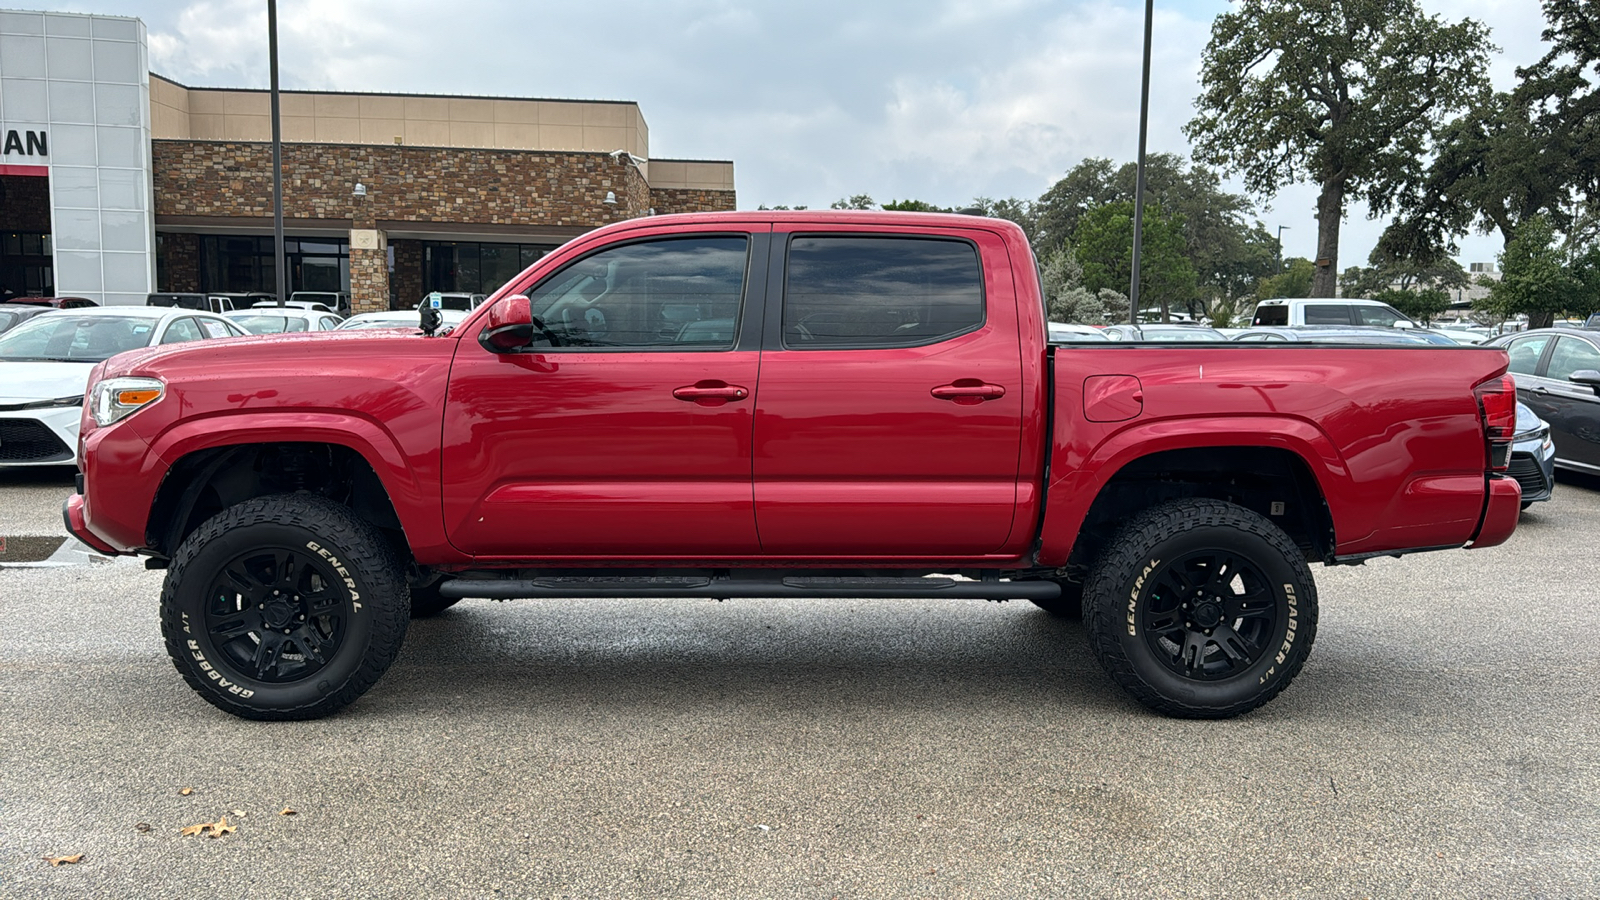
(938, 100)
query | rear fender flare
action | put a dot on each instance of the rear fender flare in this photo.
(1071, 495)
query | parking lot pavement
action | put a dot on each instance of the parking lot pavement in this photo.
(32, 496)
(1442, 742)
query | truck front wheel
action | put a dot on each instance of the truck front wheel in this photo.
(284, 607)
(1201, 609)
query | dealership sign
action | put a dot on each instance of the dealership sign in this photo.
(25, 142)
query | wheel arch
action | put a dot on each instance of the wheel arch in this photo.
(204, 482)
(1255, 476)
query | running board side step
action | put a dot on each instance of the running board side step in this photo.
(732, 588)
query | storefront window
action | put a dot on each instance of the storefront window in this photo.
(244, 263)
(474, 267)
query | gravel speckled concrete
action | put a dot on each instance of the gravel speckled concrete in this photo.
(1442, 742)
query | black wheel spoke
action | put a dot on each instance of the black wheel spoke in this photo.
(266, 620)
(1193, 654)
(1238, 651)
(228, 629)
(266, 656)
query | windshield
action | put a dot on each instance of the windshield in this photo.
(68, 338)
(269, 324)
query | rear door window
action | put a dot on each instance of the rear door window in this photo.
(854, 292)
(1327, 314)
(181, 330)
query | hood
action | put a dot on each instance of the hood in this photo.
(26, 382)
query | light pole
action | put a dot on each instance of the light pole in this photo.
(1138, 182)
(278, 267)
(1279, 267)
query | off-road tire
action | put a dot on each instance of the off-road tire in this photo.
(341, 606)
(426, 602)
(1225, 581)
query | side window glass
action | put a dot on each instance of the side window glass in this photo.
(1381, 316)
(214, 329)
(870, 292)
(1327, 314)
(672, 294)
(181, 330)
(1525, 353)
(1571, 355)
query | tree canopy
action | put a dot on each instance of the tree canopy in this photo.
(1348, 95)
(1535, 279)
(1103, 244)
(1228, 251)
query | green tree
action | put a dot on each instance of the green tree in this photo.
(1294, 281)
(1385, 272)
(913, 206)
(1421, 304)
(1534, 278)
(1229, 254)
(1348, 95)
(1067, 300)
(856, 201)
(1012, 210)
(1103, 244)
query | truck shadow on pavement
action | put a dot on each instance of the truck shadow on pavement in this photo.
(798, 654)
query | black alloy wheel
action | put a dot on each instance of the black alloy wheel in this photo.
(284, 607)
(1201, 609)
(276, 614)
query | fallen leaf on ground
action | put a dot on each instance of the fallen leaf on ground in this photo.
(210, 829)
(142, 827)
(286, 811)
(184, 792)
(56, 861)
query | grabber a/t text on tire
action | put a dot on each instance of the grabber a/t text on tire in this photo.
(284, 607)
(1201, 609)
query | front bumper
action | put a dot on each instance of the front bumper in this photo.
(1533, 465)
(72, 516)
(39, 437)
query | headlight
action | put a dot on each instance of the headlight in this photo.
(117, 398)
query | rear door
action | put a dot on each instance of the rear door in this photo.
(624, 431)
(889, 420)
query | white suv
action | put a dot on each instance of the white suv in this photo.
(1294, 312)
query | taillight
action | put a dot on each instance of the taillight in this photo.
(1497, 400)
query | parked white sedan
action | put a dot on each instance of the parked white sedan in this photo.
(45, 363)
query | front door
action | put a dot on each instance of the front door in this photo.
(889, 421)
(624, 430)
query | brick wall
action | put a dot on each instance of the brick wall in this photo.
(409, 184)
(25, 203)
(681, 200)
(369, 280)
(179, 263)
(407, 272)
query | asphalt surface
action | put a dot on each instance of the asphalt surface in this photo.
(1441, 742)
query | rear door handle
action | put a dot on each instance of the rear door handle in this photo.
(710, 392)
(967, 391)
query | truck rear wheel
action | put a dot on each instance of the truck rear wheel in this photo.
(284, 607)
(1201, 609)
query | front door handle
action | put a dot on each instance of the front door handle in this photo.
(710, 393)
(967, 391)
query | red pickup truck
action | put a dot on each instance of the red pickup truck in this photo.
(809, 404)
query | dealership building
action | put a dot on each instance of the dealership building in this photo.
(116, 182)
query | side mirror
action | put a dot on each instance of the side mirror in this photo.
(1587, 377)
(510, 325)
